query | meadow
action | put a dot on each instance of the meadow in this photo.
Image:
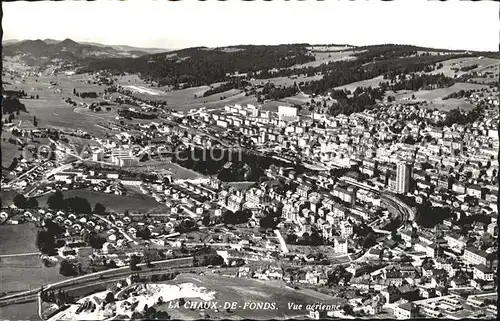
(50, 109)
(326, 57)
(374, 82)
(287, 81)
(484, 64)
(117, 203)
(434, 97)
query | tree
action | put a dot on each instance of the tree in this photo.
(14, 163)
(143, 233)
(32, 202)
(78, 205)
(291, 239)
(45, 242)
(99, 208)
(109, 298)
(20, 201)
(370, 240)
(205, 220)
(134, 260)
(56, 201)
(347, 309)
(67, 269)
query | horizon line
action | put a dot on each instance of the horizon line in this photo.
(250, 44)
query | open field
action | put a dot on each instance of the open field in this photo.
(326, 57)
(9, 151)
(118, 203)
(363, 83)
(7, 196)
(434, 97)
(246, 291)
(24, 272)
(15, 239)
(50, 109)
(25, 311)
(484, 65)
(177, 171)
(20, 272)
(184, 99)
(287, 81)
(328, 48)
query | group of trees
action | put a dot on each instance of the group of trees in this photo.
(457, 116)
(273, 92)
(238, 217)
(422, 81)
(186, 226)
(90, 94)
(20, 201)
(205, 256)
(225, 87)
(428, 216)
(66, 268)
(468, 68)
(129, 114)
(390, 61)
(458, 94)
(73, 204)
(12, 105)
(46, 237)
(313, 239)
(245, 166)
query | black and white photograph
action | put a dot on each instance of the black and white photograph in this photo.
(259, 160)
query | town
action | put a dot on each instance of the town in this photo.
(382, 208)
(216, 160)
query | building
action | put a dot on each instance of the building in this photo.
(482, 272)
(474, 256)
(346, 229)
(406, 311)
(403, 174)
(287, 114)
(340, 245)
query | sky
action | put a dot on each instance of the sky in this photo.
(451, 24)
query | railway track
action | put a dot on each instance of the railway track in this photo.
(100, 277)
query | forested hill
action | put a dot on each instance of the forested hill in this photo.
(204, 66)
(200, 66)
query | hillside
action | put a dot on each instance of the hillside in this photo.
(40, 52)
(204, 66)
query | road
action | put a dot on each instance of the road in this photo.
(128, 237)
(25, 174)
(20, 254)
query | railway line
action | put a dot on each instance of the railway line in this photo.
(100, 277)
